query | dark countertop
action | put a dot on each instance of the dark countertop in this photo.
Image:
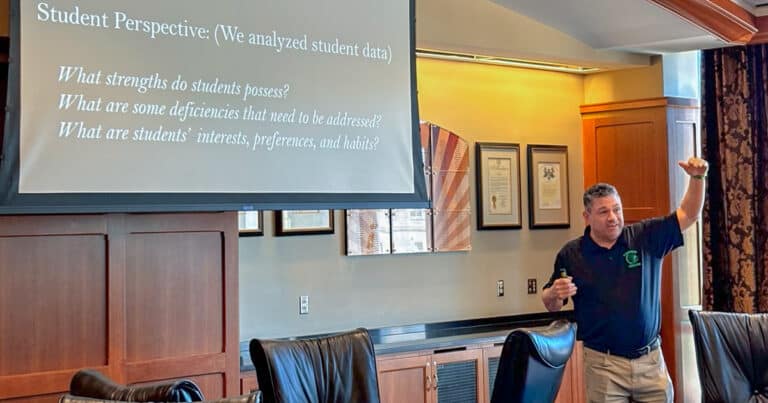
(441, 335)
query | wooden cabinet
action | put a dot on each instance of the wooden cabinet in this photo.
(433, 376)
(248, 382)
(405, 379)
(572, 386)
(635, 145)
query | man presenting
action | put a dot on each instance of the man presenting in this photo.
(613, 274)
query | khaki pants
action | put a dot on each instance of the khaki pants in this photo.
(610, 378)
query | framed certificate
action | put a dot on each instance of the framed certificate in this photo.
(498, 186)
(548, 202)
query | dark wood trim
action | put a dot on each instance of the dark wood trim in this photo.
(42, 383)
(639, 104)
(762, 30)
(721, 18)
(175, 368)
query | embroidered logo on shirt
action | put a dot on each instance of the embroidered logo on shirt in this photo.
(632, 259)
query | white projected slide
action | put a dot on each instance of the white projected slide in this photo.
(234, 96)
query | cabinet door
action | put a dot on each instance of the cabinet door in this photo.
(405, 379)
(491, 366)
(628, 149)
(572, 387)
(459, 376)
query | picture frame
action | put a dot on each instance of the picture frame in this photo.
(497, 177)
(548, 184)
(250, 223)
(303, 222)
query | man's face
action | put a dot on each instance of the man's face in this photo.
(605, 217)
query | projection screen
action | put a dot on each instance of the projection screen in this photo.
(148, 105)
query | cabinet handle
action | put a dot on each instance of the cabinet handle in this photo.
(434, 366)
(429, 376)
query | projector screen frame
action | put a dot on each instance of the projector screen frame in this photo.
(12, 202)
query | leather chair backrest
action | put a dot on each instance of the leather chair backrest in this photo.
(90, 383)
(339, 368)
(532, 363)
(731, 355)
(254, 397)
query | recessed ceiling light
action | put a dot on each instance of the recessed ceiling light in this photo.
(503, 61)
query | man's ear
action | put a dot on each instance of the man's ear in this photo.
(585, 214)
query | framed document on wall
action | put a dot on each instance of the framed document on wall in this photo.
(411, 230)
(548, 201)
(498, 186)
(250, 223)
(368, 232)
(303, 222)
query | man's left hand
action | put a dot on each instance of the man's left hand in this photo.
(694, 166)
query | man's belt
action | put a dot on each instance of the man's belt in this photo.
(631, 354)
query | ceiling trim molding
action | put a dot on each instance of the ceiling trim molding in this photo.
(722, 18)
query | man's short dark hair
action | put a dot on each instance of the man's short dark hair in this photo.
(597, 191)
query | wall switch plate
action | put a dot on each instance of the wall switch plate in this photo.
(303, 304)
(532, 286)
(500, 288)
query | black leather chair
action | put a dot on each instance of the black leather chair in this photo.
(339, 368)
(93, 384)
(732, 356)
(532, 363)
(251, 398)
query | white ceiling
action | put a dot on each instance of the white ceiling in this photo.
(628, 25)
(756, 7)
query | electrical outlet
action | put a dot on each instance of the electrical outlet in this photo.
(532, 286)
(303, 304)
(500, 288)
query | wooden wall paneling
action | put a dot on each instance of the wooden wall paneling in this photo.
(53, 294)
(54, 398)
(248, 382)
(139, 297)
(211, 385)
(116, 297)
(174, 295)
(181, 283)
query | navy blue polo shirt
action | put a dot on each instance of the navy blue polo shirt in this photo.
(617, 304)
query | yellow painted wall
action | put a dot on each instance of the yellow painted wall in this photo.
(624, 85)
(495, 103)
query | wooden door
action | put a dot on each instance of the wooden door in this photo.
(405, 379)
